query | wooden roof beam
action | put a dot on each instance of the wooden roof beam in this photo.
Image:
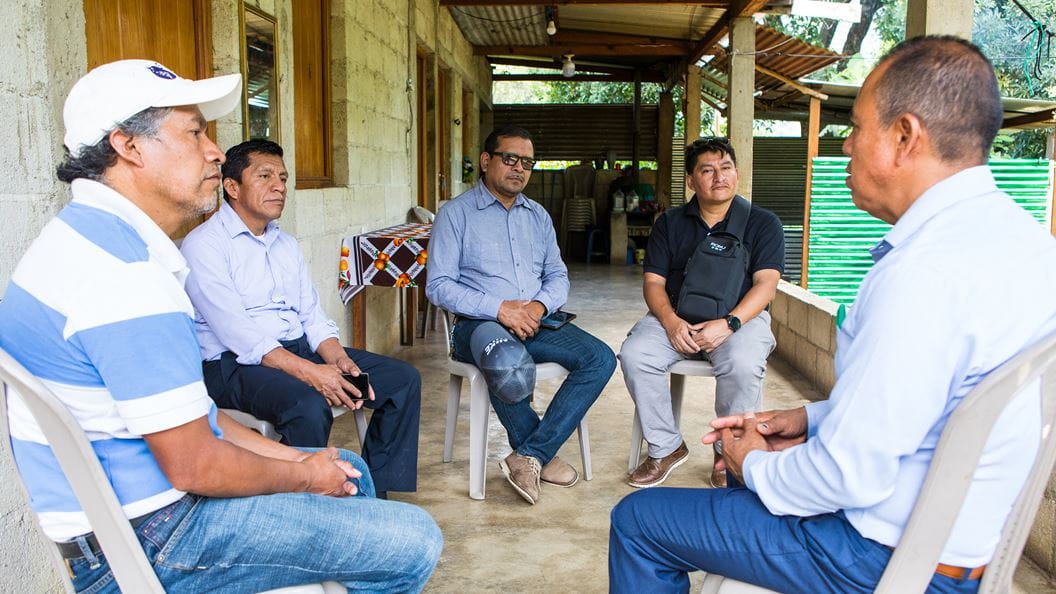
(794, 84)
(555, 64)
(701, 3)
(1030, 118)
(631, 49)
(623, 77)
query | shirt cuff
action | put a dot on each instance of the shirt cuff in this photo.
(317, 334)
(258, 351)
(816, 413)
(489, 307)
(750, 461)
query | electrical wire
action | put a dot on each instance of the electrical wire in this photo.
(491, 20)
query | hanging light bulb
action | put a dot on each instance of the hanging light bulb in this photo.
(568, 67)
(551, 27)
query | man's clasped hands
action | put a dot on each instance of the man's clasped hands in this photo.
(769, 431)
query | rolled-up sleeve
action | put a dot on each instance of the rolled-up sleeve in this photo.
(445, 253)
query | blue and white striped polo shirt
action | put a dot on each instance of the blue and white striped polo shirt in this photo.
(96, 309)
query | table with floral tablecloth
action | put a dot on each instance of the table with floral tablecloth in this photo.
(391, 257)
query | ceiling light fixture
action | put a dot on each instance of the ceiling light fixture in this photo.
(551, 27)
(568, 67)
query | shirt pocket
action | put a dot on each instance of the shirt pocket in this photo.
(488, 253)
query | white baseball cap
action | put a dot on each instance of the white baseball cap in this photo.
(114, 92)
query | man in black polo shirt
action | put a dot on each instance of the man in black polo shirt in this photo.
(737, 345)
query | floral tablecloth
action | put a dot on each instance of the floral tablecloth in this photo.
(390, 257)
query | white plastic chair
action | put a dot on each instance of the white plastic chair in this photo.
(956, 457)
(479, 409)
(127, 560)
(678, 372)
(268, 430)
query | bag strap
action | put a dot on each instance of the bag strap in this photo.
(738, 221)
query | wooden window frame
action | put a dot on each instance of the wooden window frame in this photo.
(327, 179)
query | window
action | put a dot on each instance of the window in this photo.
(311, 93)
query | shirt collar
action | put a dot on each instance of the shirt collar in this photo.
(235, 226)
(159, 244)
(963, 185)
(485, 198)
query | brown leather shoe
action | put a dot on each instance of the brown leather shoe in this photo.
(523, 474)
(718, 477)
(560, 473)
(654, 471)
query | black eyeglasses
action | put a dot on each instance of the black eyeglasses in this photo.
(510, 160)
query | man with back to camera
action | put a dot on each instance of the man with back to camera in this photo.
(830, 486)
(736, 341)
(268, 347)
(113, 338)
(494, 262)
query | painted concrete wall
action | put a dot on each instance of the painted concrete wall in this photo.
(373, 116)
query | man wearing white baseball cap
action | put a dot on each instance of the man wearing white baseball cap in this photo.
(97, 310)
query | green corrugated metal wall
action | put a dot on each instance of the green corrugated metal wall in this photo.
(841, 235)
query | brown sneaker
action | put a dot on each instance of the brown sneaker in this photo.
(654, 471)
(560, 473)
(523, 473)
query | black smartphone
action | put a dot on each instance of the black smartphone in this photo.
(556, 320)
(361, 382)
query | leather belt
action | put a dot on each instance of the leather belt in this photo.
(955, 572)
(71, 550)
(960, 573)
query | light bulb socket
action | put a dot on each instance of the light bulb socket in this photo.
(568, 67)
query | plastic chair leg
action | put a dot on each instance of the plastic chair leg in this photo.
(636, 442)
(678, 388)
(584, 450)
(454, 395)
(479, 409)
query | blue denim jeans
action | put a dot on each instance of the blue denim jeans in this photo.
(251, 544)
(590, 363)
(659, 535)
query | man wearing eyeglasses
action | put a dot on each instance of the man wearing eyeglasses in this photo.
(495, 264)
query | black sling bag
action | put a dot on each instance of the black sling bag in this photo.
(716, 270)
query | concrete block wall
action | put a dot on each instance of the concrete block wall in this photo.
(805, 327)
(44, 54)
(372, 50)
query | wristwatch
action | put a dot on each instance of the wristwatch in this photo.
(733, 322)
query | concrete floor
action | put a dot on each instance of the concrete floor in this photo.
(502, 544)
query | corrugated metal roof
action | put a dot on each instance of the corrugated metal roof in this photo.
(501, 25)
(784, 54)
(674, 21)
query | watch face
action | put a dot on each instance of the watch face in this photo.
(734, 322)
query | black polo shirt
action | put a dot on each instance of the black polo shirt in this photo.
(678, 231)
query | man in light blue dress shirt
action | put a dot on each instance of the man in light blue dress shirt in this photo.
(958, 288)
(268, 347)
(494, 262)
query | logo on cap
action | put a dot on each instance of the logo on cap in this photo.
(162, 72)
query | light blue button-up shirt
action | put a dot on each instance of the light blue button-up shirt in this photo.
(963, 282)
(481, 254)
(250, 292)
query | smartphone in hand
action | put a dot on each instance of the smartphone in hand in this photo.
(556, 320)
(361, 382)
